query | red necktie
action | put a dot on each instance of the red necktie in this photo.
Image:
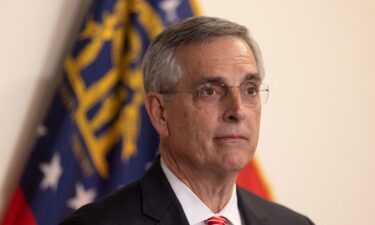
(216, 220)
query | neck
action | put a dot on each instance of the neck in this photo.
(214, 189)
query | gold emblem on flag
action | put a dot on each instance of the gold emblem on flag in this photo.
(115, 29)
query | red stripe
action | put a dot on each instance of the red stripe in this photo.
(19, 212)
(250, 178)
(216, 220)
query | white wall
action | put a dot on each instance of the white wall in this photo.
(318, 128)
(34, 38)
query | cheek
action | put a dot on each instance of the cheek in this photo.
(181, 123)
(203, 129)
(194, 128)
(254, 123)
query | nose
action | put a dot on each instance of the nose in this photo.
(233, 106)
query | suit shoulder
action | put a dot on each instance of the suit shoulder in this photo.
(124, 204)
(270, 210)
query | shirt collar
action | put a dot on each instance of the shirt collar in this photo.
(195, 210)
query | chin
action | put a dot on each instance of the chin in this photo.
(235, 163)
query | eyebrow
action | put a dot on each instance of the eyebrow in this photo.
(214, 80)
(219, 80)
(252, 77)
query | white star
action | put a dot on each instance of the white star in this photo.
(170, 8)
(51, 173)
(41, 131)
(82, 197)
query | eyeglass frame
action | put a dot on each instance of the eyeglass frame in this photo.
(261, 90)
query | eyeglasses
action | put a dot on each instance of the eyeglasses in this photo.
(213, 93)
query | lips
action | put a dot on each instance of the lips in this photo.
(231, 137)
(231, 140)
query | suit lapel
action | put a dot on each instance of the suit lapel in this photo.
(160, 202)
(250, 211)
(158, 198)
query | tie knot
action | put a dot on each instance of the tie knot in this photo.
(216, 220)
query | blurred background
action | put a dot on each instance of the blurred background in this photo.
(317, 141)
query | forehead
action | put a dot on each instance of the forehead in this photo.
(229, 58)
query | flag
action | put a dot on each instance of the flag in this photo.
(96, 136)
(251, 178)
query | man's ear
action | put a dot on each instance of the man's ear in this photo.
(155, 106)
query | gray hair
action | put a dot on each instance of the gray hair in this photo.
(161, 69)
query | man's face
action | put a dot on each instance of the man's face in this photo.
(218, 135)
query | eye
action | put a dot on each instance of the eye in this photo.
(210, 92)
(250, 90)
(207, 92)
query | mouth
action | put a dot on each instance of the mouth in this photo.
(232, 139)
(235, 137)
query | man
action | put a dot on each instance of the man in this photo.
(203, 80)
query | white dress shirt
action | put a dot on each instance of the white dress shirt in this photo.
(195, 210)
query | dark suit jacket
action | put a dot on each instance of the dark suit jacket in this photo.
(151, 200)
